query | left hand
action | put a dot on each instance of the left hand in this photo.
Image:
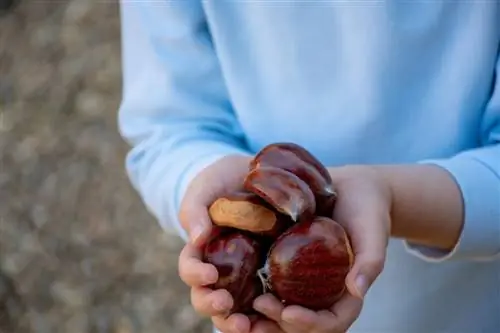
(363, 208)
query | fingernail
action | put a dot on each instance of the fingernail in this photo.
(259, 307)
(262, 309)
(361, 285)
(296, 321)
(220, 305)
(237, 328)
(211, 277)
(195, 232)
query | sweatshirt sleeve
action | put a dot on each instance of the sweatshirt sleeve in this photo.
(477, 173)
(175, 111)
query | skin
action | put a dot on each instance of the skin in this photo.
(427, 206)
(421, 203)
(222, 177)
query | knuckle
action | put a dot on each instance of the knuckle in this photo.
(189, 281)
(199, 308)
(185, 280)
(185, 274)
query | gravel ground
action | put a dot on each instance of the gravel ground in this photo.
(78, 251)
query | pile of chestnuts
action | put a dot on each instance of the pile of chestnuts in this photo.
(278, 236)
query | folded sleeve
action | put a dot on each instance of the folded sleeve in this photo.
(477, 173)
(175, 112)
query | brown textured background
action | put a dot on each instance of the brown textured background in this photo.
(78, 251)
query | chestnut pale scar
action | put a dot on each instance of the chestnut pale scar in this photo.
(241, 214)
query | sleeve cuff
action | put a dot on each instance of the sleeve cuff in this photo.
(480, 237)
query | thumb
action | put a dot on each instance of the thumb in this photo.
(363, 273)
(369, 240)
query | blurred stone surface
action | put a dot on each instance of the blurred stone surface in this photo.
(78, 251)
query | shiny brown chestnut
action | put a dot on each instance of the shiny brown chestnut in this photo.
(237, 258)
(307, 265)
(283, 190)
(299, 161)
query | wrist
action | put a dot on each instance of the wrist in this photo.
(426, 205)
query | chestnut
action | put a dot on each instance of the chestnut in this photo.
(247, 211)
(237, 258)
(299, 161)
(278, 235)
(307, 265)
(283, 190)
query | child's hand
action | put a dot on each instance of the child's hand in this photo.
(363, 207)
(226, 175)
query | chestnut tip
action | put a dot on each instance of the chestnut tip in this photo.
(283, 190)
(293, 214)
(330, 190)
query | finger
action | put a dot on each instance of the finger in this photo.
(269, 306)
(235, 323)
(210, 302)
(339, 319)
(193, 271)
(266, 326)
(369, 239)
(298, 319)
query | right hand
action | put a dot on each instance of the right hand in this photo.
(224, 176)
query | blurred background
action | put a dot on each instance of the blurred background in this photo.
(78, 251)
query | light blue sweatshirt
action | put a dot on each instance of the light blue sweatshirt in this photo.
(353, 82)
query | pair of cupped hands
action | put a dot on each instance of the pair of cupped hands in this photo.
(363, 208)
